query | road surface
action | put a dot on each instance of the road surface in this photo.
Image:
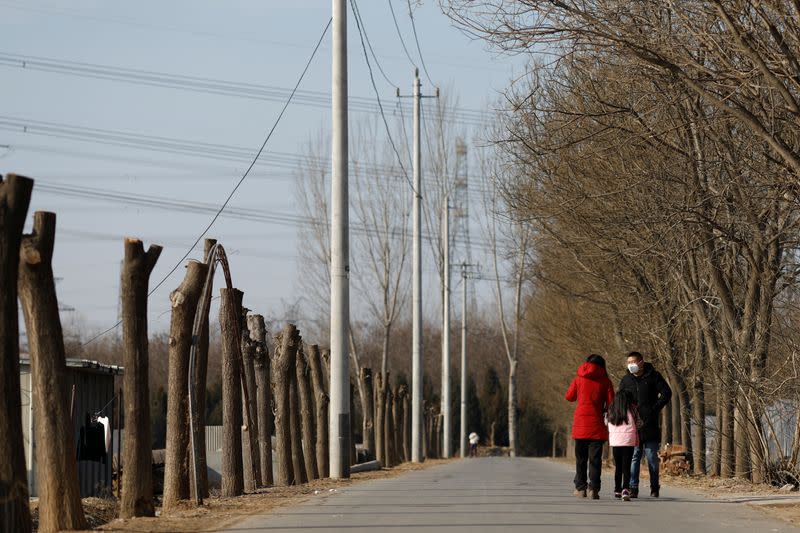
(508, 495)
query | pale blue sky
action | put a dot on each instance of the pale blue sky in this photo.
(262, 43)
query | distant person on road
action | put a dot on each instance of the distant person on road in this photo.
(623, 437)
(473, 444)
(651, 393)
(594, 392)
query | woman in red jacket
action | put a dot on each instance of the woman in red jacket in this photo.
(593, 391)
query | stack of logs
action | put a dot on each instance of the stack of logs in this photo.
(674, 460)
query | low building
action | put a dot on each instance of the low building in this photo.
(94, 394)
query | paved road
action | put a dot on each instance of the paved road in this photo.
(501, 494)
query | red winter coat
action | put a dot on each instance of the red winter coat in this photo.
(594, 393)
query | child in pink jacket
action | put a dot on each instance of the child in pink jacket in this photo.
(623, 437)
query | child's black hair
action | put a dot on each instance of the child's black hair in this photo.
(618, 411)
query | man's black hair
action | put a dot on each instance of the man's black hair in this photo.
(637, 355)
(596, 359)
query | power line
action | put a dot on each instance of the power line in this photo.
(400, 34)
(416, 40)
(362, 28)
(241, 180)
(316, 99)
(378, 97)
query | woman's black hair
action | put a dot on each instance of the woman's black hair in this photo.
(596, 359)
(618, 411)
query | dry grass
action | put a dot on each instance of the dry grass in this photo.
(222, 512)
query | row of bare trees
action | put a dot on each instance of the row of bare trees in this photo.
(652, 156)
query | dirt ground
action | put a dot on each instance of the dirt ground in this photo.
(220, 512)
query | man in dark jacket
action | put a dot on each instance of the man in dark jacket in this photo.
(652, 393)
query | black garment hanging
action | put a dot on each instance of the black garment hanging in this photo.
(92, 440)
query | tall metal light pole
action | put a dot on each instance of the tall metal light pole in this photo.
(447, 435)
(416, 292)
(339, 421)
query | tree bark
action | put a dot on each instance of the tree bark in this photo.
(232, 461)
(307, 414)
(296, 433)
(201, 375)
(699, 428)
(388, 426)
(252, 459)
(512, 405)
(380, 410)
(407, 424)
(258, 333)
(675, 412)
(137, 480)
(15, 515)
(397, 426)
(728, 463)
(287, 342)
(666, 424)
(368, 427)
(321, 409)
(184, 306)
(353, 454)
(60, 505)
(741, 442)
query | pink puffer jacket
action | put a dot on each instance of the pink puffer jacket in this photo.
(624, 434)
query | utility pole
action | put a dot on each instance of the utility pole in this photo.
(416, 280)
(463, 435)
(447, 435)
(416, 293)
(339, 417)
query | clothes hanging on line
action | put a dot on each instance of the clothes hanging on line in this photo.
(92, 440)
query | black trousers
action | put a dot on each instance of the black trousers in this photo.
(623, 455)
(591, 452)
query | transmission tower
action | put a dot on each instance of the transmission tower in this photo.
(461, 240)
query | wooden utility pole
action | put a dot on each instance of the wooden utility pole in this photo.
(60, 505)
(321, 410)
(232, 463)
(287, 341)
(184, 301)
(137, 480)
(258, 333)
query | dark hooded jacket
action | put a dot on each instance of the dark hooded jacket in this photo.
(652, 393)
(594, 392)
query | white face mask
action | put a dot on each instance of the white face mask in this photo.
(633, 368)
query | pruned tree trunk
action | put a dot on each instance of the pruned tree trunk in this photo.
(326, 364)
(388, 427)
(397, 411)
(137, 480)
(380, 410)
(716, 456)
(287, 342)
(666, 424)
(296, 433)
(741, 443)
(321, 410)
(407, 424)
(200, 376)
(232, 462)
(307, 415)
(675, 413)
(258, 333)
(368, 426)
(353, 454)
(728, 464)
(184, 301)
(252, 459)
(699, 428)
(60, 505)
(513, 430)
(15, 514)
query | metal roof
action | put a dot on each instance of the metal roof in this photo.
(83, 364)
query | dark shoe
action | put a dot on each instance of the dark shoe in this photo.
(617, 495)
(626, 495)
(579, 493)
(594, 494)
(634, 493)
(654, 493)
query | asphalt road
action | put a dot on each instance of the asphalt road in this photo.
(501, 494)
